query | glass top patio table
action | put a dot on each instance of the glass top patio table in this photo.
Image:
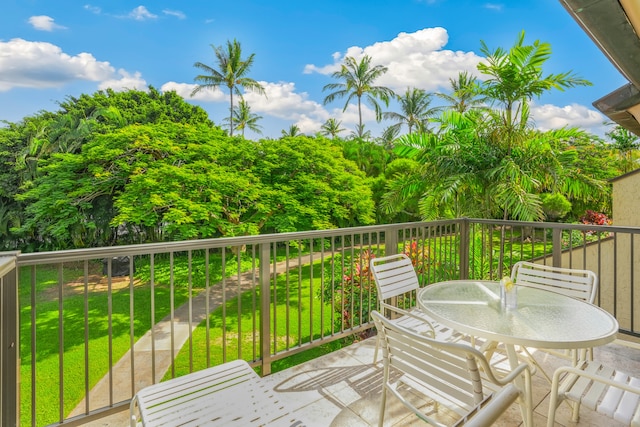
(542, 318)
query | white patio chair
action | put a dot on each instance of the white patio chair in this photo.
(455, 377)
(395, 276)
(579, 284)
(598, 387)
(575, 283)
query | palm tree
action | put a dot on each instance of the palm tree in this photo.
(244, 118)
(464, 94)
(493, 163)
(357, 80)
(231, 72)
(515, 78)
(360, 133)
(625, 144)
(331, 128)
(415, 109)
(389, 135)
(293, 131)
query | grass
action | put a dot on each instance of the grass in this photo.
(103, 315)
(297, 296)
(300, 315)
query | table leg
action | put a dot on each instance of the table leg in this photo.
(526, 402)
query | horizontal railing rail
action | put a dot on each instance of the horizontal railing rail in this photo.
(98, 324)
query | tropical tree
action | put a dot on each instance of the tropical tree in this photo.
(415, 111)
(464, 94)
(231, 72)
(293, 131)
(389, 135)
(33, 147)
(331, 128)
(493, 163)
(625, 145)
(370, 157)
(360, 133)
(515, 77)
(465, 173)
(244, 118)
(357, 79)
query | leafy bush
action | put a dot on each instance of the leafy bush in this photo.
(354, 290)
(595, 218)
(555, 206)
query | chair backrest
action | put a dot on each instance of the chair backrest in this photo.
(579, 284)
(394, 275)
(444, 371)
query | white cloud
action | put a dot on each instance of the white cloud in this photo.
(44, 23)
(93, 9)
(549, 116)
(141, 13)
(308, 125)
(413, 59)
(282, 101)
(125, 81)
(40, 65)
(494, 6)
(176, 13)
(185, 89)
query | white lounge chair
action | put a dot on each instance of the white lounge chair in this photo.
(455, 377)
(231, 394)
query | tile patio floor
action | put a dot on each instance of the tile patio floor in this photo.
(342, 389)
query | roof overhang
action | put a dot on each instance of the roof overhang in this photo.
(614, 25)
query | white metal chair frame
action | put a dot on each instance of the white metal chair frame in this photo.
(598, 387)
(574, 283)
(394, 276)
(449, 374)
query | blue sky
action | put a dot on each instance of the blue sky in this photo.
(52, 50)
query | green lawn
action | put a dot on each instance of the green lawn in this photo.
(298, 303)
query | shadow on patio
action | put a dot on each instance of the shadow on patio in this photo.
(343, 389)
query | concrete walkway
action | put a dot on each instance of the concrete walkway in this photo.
(165, 336)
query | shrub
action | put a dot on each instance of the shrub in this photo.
(354, 290)
(595, 218)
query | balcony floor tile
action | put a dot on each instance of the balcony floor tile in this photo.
(343, 389)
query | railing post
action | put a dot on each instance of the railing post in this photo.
(464, 248)
(9, 344)
(265, 307)
(390, 241)
(556, 254)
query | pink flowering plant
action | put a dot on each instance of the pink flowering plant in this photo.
(595, 218)
(353, 287)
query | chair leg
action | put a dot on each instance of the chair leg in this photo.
(575, 412)
(375, 354)
(383, 398)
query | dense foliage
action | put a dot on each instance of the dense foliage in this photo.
(144, 166)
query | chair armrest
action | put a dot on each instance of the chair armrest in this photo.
(409, 314)
(494, 377)
(487, 413)
(579, 371)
